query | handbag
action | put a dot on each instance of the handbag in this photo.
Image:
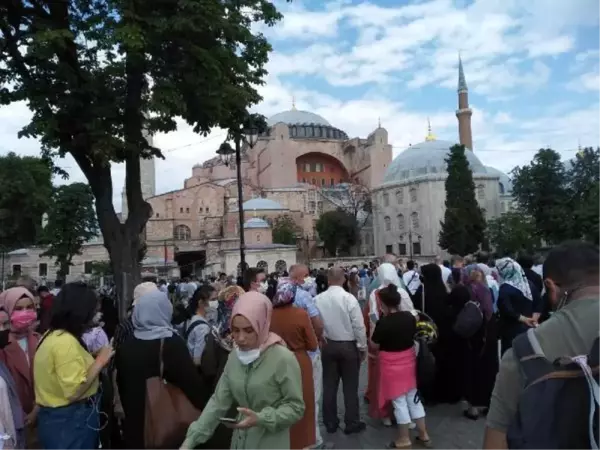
(469, 320)
(168, 412)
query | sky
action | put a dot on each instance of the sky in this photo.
(532, 68)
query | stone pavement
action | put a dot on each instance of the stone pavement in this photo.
(446, 425)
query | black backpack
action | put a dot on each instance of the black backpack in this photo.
(425, 365)
(558, 407)
(213, 358)
(469, 320)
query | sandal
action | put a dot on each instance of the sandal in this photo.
(425, 443)
(393, 445)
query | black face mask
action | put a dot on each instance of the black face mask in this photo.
(4, 338)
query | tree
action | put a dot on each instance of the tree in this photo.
(463, 228)
(584, 183)
(540, 189)
(512, 233)
(97, 73)
(71, 223)
(354, 198)
(338, 230)
(25, 191)
(285, 230)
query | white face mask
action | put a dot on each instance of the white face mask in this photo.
(247, 356)
(263, 287)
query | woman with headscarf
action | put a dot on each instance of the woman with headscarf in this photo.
(386, 275)
(18, 353)
(519, 306)
(261, 376)
(138, 359)
(295, 328)
(67, 376)
(478, 356)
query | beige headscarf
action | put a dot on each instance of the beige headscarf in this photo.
(143, 289)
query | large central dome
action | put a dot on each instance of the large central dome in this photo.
(296, 117)
(425, 158)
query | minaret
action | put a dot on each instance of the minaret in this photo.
(464, 113)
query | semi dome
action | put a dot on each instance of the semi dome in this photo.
(505, 183)
(296, 117)
(256, 222)
(261, 204)
(426, 158)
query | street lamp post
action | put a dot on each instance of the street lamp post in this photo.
(249, 131)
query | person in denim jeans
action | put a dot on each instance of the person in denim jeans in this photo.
(66, 375)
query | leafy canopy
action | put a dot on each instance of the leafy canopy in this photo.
(512, 233)
(463, 228)
(25, 191)
(285, 230)
(71, 223)
(338, 230)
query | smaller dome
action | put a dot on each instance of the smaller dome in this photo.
(297, 117)
(505, 182)
(256, 222)
(261, 204)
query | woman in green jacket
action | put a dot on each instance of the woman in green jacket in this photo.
(261, 376)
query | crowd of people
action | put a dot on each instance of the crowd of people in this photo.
(255, 362)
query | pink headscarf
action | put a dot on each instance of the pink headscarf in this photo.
(257, 309)
(10, 297)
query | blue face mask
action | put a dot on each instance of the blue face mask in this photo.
(247, 356)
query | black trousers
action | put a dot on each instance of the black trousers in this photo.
(341, 361)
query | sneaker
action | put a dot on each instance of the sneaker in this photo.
(355, 428)
(387, 422)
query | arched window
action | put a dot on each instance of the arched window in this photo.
(257, 237)
(280, 266)
(386, 199)
(388, 223)
(413, 194)
(414, 217)
(481, 192)
(301, 131)
(263, 265)
(401, 223)
(400, 196)
(501, 188)
(182, 233)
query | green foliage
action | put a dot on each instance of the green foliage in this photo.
(101, 268)
(584, 184)
(96, 73)
(25, 191)
(71, 223)
(541, 190)
(512, 233)
(463, 228)
(338, 230)
(285, 230)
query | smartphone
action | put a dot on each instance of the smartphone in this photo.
(228, 420)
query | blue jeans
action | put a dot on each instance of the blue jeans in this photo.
(72, 426)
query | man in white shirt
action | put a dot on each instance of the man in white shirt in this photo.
(345, 348)
(411, 278)
(446, 272)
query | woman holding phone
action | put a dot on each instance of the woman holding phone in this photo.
(261, 376)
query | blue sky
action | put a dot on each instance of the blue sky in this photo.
(532, 68)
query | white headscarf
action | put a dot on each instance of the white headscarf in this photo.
(387, 274)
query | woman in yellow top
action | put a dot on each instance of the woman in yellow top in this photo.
(66, 375)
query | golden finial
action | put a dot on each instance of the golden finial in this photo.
(430, 136)
(293, 103)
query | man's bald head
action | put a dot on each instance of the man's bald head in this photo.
(389, 258)
(298, 272)
(336, 276)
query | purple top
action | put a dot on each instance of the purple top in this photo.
(95, 339)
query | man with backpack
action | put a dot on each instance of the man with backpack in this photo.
(546, 392)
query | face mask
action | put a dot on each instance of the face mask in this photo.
(4, 338)
(263, 287)
(21, 320)
(247, 356)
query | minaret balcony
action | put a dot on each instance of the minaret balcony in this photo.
(464, 111)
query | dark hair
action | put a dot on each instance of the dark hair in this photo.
(202, 294)
(571, 263)
(525, 261)
(410, 265)
(41, 289)
(482, 257)
(390, 296)
(73, 310)
(250, 277)
(58, 283)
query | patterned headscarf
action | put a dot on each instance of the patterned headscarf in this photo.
(285, 294)
(227, 298)
(512, 274)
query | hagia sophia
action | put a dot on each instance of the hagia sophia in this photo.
(302, 166)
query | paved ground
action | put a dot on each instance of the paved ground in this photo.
(447, 427)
